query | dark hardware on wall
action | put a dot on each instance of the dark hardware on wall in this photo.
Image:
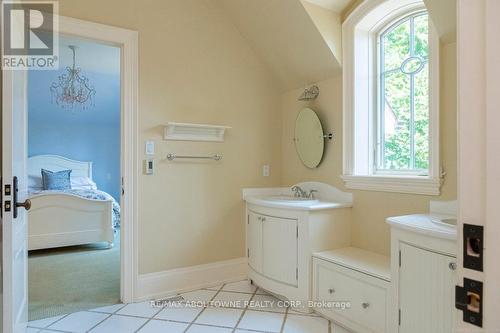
(473, 247)
(469, 299)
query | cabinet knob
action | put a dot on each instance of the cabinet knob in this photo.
(263, 219)
(365, 305)
(452, 266)
(331, 290)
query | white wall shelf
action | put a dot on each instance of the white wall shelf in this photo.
(194, 132)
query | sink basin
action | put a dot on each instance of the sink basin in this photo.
(446, 221)
(289, 199)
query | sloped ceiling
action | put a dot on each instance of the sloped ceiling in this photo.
(283, 34)
(443, 15)
(328, 23)
(337, 6)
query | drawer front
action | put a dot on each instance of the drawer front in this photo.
(366, 295)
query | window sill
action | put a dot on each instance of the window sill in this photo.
(398, 184)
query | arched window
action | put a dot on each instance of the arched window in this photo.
(403, 108)
(391, 98)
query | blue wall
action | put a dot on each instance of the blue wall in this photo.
(85, 135)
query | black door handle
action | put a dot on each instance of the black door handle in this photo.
(26, 204)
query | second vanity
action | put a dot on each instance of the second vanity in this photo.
(283, 232)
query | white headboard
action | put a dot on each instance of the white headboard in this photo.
(58, 163)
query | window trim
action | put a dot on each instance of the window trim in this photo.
(360, 32)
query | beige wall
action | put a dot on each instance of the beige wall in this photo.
(370, 208)
(329, 26)
(195, 67)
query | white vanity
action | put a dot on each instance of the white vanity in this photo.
(299, 248)
(283, 232)
(423, 263)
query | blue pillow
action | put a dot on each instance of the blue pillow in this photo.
(58, 181)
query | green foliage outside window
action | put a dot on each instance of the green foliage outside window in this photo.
(404, 106)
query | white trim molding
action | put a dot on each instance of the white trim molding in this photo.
(178, 280)
(128, 42)
(359, 39)
(410, 185)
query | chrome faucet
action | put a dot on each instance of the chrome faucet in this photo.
(300, 193)
(311, 194)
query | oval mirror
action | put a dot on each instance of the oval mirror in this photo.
(309, 138)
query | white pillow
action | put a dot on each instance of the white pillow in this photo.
(35, 182)
(83, 183)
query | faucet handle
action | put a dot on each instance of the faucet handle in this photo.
(311, 194)
(297, 191)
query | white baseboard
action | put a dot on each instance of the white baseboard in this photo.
(174, 281)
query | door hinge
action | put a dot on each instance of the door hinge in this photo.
(297, 232)
(399, 317)
(123, 187)
(248, 219)
(248, 253)
(297, 273)
(399, 258)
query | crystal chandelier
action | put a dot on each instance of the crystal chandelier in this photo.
(72, 88)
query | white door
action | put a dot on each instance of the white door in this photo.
(254, 241)
(279, 244)
(426, 291)
(14, 226)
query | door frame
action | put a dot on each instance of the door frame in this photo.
(127, 40)
(478, 55)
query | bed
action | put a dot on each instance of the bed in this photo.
(70, 217)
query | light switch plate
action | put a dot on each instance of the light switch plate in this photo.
(150, 147)
(266, 170)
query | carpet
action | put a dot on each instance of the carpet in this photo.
(75, 278)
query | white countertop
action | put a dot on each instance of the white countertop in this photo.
(423, 224)
(328, 197)
(298, 205)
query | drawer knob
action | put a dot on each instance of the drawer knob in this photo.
(331, 290)
(452, 266)
(263, 219)
(365, 305)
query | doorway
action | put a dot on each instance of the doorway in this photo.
(14, 116)
(74, 180)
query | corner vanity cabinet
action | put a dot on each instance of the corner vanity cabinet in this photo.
(277, 238)
(281, 240)
(424, 277)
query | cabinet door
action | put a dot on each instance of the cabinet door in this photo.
(426, 289)
(279, 243)
(254, 241)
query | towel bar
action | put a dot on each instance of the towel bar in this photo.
(215, 157)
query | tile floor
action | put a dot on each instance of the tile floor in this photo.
(231, 308)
